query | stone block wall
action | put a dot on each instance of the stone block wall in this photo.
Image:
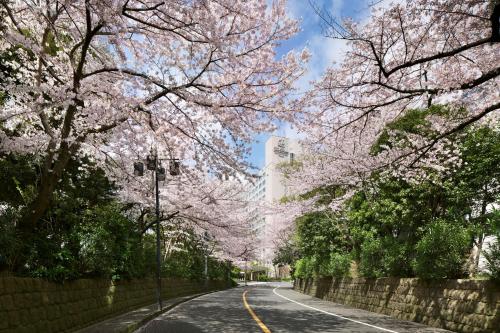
(466, 306)
(34, 305)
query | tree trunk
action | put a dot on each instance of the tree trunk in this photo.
(37, 208)
(478, 253)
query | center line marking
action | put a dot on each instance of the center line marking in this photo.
(332, 314)
(254, 316)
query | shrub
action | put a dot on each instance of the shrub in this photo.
(339, 264)
(299, 269)
(11, 244)
(322, 267)
(371, 258)
(397, 257)
(263, 278)
(304, 268)
(110, 246)
(492, 255)
(441, 252)
(493, 260)
(388, 256)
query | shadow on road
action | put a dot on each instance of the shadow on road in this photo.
(218, 312)
(163, 326)
(224, 312)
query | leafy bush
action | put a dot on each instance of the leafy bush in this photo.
(441, 252)
(320, 234)
(397, 257)
(371, 258)
(304, 268)
(86, 232)
(263, 278)
(10, 243)
(321, 266)
(492, 255)
(300, 269)
(109, 244)
(189, 262)
(389, 228)
(186, 264)
(493, 260)
(339, 264)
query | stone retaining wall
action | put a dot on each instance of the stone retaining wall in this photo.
(458, 305)
(34, 305)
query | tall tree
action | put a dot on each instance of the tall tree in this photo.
(414, 54)
(439, 58)
(112, 78)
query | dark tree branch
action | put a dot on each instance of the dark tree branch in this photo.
(162, 219)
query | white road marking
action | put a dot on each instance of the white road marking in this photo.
(332, 314)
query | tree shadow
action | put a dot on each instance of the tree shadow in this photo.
(173, 326)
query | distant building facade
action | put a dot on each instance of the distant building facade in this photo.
(269, 188)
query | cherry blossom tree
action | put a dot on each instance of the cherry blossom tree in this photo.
(217, 208)
(435, 61)
(411, 56)
(110, 79)
(220, 208)
(196, 200)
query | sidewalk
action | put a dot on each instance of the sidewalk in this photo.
(131, 321)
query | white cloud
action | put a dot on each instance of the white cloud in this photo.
(301, 10)
(325, 52)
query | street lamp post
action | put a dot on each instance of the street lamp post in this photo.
(153, 163)
(245, 271)
(206, 238)
(228, 272)
(206, 271)
(158, 243)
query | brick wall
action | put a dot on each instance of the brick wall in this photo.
(458, 305)
(34, 305)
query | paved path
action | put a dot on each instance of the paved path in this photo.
(273, 308)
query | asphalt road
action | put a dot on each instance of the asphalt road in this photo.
(273, 308)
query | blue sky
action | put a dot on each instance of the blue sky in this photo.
(324, 50)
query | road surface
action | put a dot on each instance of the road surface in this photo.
(266, 308)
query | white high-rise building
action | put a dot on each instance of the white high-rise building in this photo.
(269, 188)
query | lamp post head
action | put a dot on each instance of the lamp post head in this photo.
(151, 162)
(138, 169)
(160, 173)
(174, 168)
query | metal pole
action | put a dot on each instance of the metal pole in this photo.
(206, 271)
(245, 272)
(158, 244)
